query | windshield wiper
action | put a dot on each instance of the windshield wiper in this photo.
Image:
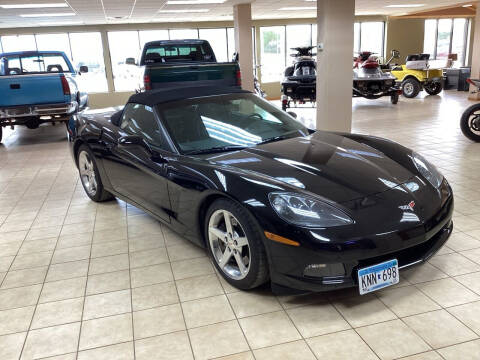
(272, 139)
(215, 149)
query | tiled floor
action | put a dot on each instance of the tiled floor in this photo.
(105, 281)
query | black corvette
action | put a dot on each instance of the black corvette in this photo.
(268, 198)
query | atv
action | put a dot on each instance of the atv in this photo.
(300, 82)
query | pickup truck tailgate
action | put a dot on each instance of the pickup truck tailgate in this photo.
(219, 74)
(31, 90)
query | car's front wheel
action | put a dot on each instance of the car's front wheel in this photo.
(411, 87)
(235, 243)
(89, 176)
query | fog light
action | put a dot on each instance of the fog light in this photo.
(289, 90)
(323, 270)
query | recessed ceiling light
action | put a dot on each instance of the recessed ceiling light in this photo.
(293, 8)
(33, 6)
(405, 5)
(194, 2)
(467, 5)
(185, 11)
(48, 14)
(60, 23)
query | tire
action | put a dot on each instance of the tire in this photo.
(90, 177)
(394, 98)
(244, 227)
(1, 133)
(434, 88)
(284, 107)
(411, 87)
(466, 123)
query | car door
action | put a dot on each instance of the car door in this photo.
(137, 171)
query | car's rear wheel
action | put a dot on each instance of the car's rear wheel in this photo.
(433, 88)
(411, 87)
(235, 243)
(90, 177)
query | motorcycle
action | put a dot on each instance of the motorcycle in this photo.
(470, 120)
(256, 84)
(300, 81)
(370, 82)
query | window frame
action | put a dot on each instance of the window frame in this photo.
(383, 48)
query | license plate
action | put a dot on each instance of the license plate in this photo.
(378, 276)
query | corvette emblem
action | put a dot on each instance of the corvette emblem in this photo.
(409, 206)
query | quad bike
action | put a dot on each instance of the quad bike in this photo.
(416, 75)
(300, 82)
(256, 84)
(370, 82)
(470, 121)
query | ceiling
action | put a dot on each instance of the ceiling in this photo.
(88, 12)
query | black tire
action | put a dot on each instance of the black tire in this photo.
(466, 123)
(284, 107)
(394, 98)
(433, 88)
(258, 272)
(100, 194)
(413, 87)
(1, 133)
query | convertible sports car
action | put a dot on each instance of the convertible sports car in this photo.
(268, 198)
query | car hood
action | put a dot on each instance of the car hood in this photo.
(332, 166)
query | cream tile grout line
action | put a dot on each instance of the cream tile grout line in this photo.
(130, 282)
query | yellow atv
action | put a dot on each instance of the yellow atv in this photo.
(416, 75)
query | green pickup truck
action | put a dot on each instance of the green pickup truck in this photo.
(173, 63)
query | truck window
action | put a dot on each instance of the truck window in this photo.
(178, 53)
(41, 63)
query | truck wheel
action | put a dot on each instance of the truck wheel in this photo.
(470, 123)
(434, 88)
(90, 177)
(411, 87)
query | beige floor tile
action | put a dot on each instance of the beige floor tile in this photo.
(28, 261)
(106, 331)
(363, 310)
(43, 245)
(174, 346)
(439, 328)
(207, 311)
(11, 346)
(268, 329)
(407, 301)
(108, 264)
(469, 314)
(110, 234)
(289, 351)
(448, 292)
(454, 264)
(10, 248)
(109, 248)
(217, 340)
(150, 296)
(253, 303)
(119, 280)
(190, 268)
(199, 287)
(5, 262)
(24, 277)
(43, 233)
(146, 243)
(149, 275)
(12, 236)
(67, 270)
(106, 304)
(71, 356)
(466, 351)
(19, 297)
(63, 289)
(57, 313)
(148, 257)
(423, 273)
(430, 355)
(317, 319)
(123, 351)
(55, 340)
(158, 321)
(74, 240)
(185, 251)
(460, 241)
(15, 320)
(340, 346)
(71, 254)
(392, 339)
(73, 229)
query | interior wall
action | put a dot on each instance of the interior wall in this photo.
(406, 36)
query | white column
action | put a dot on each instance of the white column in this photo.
(476, 55)
(242, 18)
(335, 19)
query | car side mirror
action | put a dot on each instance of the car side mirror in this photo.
(292, 114)
(130, 61)
(133, 140)
(83, 69)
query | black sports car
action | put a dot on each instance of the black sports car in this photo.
(269, 198)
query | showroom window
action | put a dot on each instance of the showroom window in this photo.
(152, 35)
(272, 49)
(447, 36)
(61, 41)
(218, 41)
(369, 36)
(18, 43)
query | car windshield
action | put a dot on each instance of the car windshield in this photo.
(226, 122)
(38, 63)
(178, 53)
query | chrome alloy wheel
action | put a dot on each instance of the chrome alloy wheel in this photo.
(229, 244)
(408, 89)
(87, 173)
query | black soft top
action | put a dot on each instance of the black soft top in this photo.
(161, 96)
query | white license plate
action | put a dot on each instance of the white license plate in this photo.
(378, 276)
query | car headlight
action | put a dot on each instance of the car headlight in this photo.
(307, 211)
(427, 170)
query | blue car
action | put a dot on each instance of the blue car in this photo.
(38, 87)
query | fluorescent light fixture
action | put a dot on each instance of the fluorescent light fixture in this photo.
(467, 5)
(405, 5)
(194, 2)
(47, 15)
(183, 11)
(60, 23)
(293, 8)
(34, 6)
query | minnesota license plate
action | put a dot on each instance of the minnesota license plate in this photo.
(378, 276)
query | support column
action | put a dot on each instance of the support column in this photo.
(242, 19)
(475, 55)
(335, 19)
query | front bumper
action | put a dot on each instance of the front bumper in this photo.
(288, 273)
(15, 112)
